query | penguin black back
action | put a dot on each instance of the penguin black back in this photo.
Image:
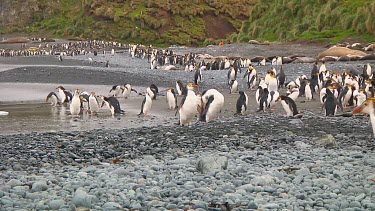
(204, 113)
(241, 102)
(292, 105)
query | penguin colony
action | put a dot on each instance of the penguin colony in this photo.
(335, 90)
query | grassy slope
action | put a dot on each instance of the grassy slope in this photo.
(330, 20)
(185, 22)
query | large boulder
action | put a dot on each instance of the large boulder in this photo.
(209, 164)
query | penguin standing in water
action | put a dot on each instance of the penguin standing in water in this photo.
(113, 104)
(146, 105)
(241, 105)
(93, 103)
(84, 97)
(60, 58)
(127, 90)
(188, 105)
(171, 98)
(116, 90)
(212, 103)
(330, 103)
(75, 105)
(289, 105)
(233, 86)
(54, 99)
(64, 95)
(181, 89)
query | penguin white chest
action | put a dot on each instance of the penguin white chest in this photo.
(171, 100)
(287, 109)
(75, 105)
(308, 93)
(188, 109)
(272, 84)
(93, 103)
(62, 95)
(147, 105)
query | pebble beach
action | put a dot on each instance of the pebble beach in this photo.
(256, 161)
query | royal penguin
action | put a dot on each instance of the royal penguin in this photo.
(52, 96)
(367, 107)
(233, 86)
(289, 105)
(308, 91)
(188, 105)
(113, 104)
(65, 96)
(281, 77)
(359, 96)
(346, 96)
(251, 75)
(75, 105)
(127, 90)
(367, 69)
(242, 102)
(213, 102)
(171, 98)
(116, 90)
(84, 97)
(264, 100)
(181, 89)
(259, 91)
(146, 105)
(93, 103)
(330, 103)
(198, 75)
(279, 60)
(272, 99)
(232, 74)
(293, 93)
(155, 90)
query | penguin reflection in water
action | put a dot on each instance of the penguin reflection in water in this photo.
(113, 104)
(54, 99)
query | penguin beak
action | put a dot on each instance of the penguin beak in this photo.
(195, 86)
(358, 109)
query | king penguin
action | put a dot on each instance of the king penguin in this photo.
(146, 105)
(171, 99)
(188, 106)
(75, 105)
(289, 105)
(64, 95)
(93, 103)
(241, 105)
(54, 99)
(113, 104)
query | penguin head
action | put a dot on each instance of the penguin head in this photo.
(367, 107)
(76, 92)
(92, 94)
(60, 87)
(191, 86)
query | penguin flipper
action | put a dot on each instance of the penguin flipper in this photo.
(134, 90)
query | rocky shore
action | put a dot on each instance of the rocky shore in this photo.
(259, 161)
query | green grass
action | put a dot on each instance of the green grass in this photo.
(182, 22)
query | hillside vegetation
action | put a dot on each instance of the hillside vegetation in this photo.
(330, 20)
(193, 22)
